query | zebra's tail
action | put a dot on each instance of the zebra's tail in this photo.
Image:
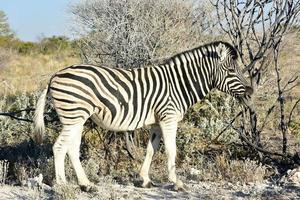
(39, 125)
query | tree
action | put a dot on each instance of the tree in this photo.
(54, 44)
(134, 33)
(257, 28)
(4, 26)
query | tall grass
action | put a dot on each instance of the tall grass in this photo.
(28, 73)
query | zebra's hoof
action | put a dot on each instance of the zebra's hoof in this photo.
(180, 186)
(88, 188)
(149, 184)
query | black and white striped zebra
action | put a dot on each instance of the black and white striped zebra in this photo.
(122, 100)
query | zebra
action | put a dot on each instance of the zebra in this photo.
(127, 99)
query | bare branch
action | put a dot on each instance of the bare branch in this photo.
(256, 27)
(291, 113)
(290, 81)
(13, 114)
(254, 146)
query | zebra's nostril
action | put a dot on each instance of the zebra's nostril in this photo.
(248, 90)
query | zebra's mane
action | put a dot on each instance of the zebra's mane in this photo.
(233, 52)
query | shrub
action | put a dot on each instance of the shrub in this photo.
(220, 167)
(212, 115)
(240, 171)
(54, 44)
(65, 192)
(136, 33)
(27, 47)
(26, 159)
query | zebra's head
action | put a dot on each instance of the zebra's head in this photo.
(229, 77)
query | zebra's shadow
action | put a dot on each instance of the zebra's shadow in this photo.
(26, 153)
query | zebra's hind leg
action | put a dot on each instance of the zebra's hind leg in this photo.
(69, 142)
(74, 153)
(60, 148)
(153, 145)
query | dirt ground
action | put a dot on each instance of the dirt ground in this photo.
(196, 190)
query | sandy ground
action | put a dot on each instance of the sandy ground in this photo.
(197, 190)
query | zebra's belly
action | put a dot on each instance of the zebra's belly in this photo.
(122, 126)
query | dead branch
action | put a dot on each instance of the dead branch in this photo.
(291, 113)
(28, 110)
(247, 140)
(270, 110)
(13, 114)
(254, 146)
(281, 99)
(290, 81)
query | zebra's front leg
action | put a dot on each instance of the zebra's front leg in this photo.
(152, 147)
(169, 130)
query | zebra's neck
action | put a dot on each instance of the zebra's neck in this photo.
(191, 76)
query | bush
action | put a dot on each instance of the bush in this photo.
(26, 159)
(65, 192)
(47, 45)
(212, 115)
(7, 41)
(136, 33)
(27, 47)
(54, 44)
(239, 171)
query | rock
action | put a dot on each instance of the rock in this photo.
(294, 177)
(291, 177)
(194, 171)
(36, 182)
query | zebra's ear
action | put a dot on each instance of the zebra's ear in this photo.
(221, 51)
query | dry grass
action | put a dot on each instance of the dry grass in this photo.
(30, 72)
(65, 192)
(240, 171)
(220, 167)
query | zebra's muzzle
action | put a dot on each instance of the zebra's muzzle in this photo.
(246, 101)
(248, 90)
